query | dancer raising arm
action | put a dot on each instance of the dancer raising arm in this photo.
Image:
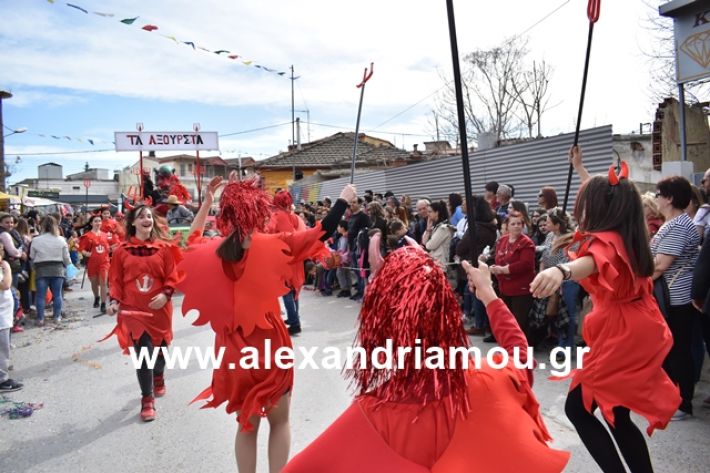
(628, 338)
(407, 418)
(235, 282)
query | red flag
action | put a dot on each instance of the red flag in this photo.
(150, 27)
(593, 8)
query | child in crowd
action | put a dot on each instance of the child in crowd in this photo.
(6, 312)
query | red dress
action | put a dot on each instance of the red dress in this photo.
(627, 336)
(97, 244)
(134, 280)
(503, 432)
(115, 233)
(240, 302)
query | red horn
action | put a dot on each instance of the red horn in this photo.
(624, 174)
(613, 178)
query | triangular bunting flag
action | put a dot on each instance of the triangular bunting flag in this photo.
(150, 28)
(189, 43)
(78, 8)
(129, 21)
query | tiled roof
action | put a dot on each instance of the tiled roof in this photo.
(335, 150)
(246, 161)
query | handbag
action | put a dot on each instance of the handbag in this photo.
(662, 292)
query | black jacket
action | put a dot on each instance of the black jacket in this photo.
(701, 278)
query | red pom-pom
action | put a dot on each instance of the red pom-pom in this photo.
(244, 207)
(410, 301)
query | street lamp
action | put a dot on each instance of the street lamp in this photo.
(3, 95)
(15, 131)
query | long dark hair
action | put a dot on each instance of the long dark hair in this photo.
(156, 233)
(231, 248)
(601, 207)
(482, 209)
(441, 208)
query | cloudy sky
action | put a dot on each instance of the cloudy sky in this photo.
(85, 76)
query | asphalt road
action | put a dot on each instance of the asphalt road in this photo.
(90, 422)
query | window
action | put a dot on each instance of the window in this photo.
(75, 188)
(189, 168)
(182, 169)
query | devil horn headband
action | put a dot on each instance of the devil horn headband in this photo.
(623, 173)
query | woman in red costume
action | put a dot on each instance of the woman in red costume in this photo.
(284, 220)
(235, 282)
(437, 418)
(94, 245)
(143, 277)
(625, 332)
(115, 233)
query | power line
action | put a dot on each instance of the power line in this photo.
(380, 131)
(450, 81)
(61, 152)
(545, 17)
(254, 129)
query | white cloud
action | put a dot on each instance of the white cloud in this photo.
(330, 43)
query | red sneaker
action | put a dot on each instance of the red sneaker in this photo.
(17, 329)
(147, 408)
(159, 385)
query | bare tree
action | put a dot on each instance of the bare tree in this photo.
(501, 96)
(530, 88)
(488, 87)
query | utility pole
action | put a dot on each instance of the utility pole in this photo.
(308, 122)
(3, 95)
(293, 120)
(293, 124)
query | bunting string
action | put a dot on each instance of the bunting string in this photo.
(149, 27)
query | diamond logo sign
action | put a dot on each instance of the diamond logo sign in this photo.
(697, 46)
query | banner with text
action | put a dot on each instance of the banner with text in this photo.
(166, 141)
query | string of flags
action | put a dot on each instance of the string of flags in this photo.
(91, 141)
(237, 58)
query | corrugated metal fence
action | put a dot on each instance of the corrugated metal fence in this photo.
(527, 166)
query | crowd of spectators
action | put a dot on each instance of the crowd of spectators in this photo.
(518, 240)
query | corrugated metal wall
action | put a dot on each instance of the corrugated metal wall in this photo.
(527, 166)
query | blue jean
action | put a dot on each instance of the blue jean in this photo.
(479, 313)
(467, 301)
(360, 280)
(291, 306)
(55, 285)
(570, 294)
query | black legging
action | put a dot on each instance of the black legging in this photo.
(145, 374)
(598, 442)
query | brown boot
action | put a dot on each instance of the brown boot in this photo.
(159, 385)
(147, 408)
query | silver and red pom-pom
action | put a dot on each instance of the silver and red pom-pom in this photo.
(410, 301)
(244, 207)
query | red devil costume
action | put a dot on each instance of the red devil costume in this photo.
(142, 270)
(432, 420)
(115, 233)
(626, 333)
(239, 299)
(98, 245)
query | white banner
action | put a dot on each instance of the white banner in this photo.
(166, 141)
